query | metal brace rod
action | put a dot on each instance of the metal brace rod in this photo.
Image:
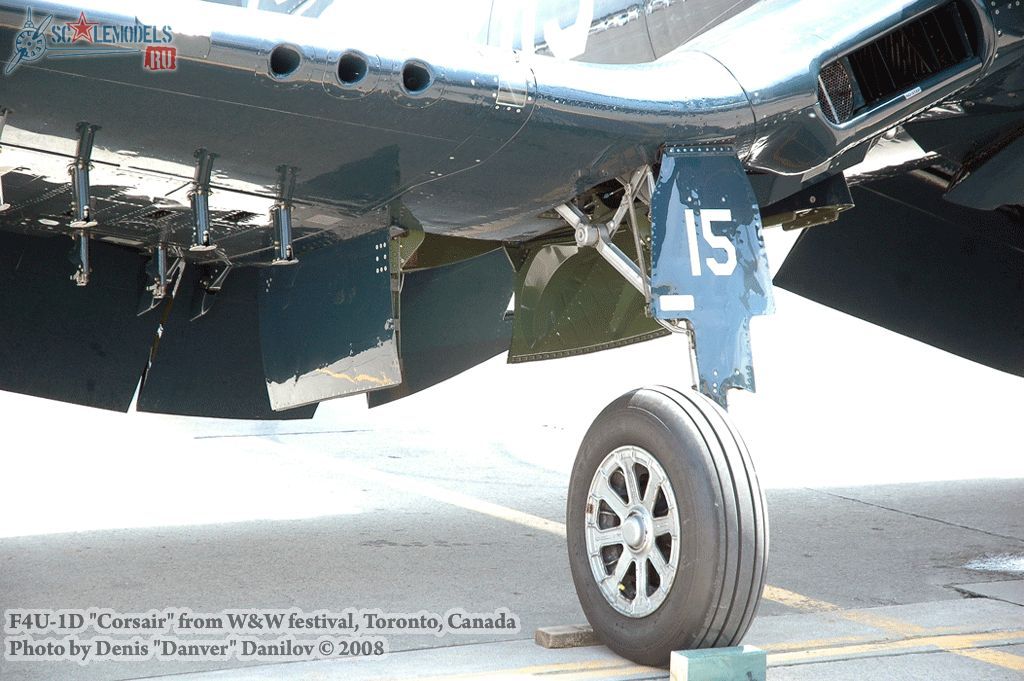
(633, 190)
(640, 186)
(162, 272)
(281, 216)
(631, 186)
(80, 187)
(200, 199)
(211, 281)
(3, 121)
(599, 237)
(80, 258)
(164, 277)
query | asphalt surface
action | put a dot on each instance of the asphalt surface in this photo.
(893, 470)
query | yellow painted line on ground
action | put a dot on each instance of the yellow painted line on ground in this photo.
(598, 674)
(882, 622)
(797, 601)
(908, 631)
(966, 645)
(447, 496)
(460, 500)
(949, 643)
(1000, 658)
(568, 671)
(912, 633)
(805, 604)
(817, 643)
(559, 668)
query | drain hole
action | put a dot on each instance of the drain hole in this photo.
(284, 61)
(415, 77)
(351, 68)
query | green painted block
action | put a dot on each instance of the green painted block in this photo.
(745, 663)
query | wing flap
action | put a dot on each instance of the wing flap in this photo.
(453, 318)
(84, 345)
(213, 365)
(946, 275)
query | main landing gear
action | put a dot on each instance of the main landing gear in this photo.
(667, 527)
(666, 520)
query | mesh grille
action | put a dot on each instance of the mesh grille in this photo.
(835, 93)
(894, 63)
(922, 48)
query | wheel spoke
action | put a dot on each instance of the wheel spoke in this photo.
(641, 601)
(632, 484)
(666, 525)
(644, 486)
(653, 486)
(609, 537)
(659, 564)
(621, 568)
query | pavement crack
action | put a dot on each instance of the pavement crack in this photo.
(917, 515)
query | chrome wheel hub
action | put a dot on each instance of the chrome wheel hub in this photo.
(632, 531)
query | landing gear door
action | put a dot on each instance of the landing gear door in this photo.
(709, 266)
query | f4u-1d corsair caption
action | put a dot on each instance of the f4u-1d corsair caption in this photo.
(271, 204)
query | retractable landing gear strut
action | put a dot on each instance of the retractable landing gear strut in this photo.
(667, 526)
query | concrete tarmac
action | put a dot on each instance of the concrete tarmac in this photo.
(403, 551)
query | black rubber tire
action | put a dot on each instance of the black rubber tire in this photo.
(723, 518)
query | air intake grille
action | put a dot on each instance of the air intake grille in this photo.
(835, 92)
(893, 64)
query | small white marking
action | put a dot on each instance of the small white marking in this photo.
(677, 303)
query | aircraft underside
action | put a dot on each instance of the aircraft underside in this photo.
(287, 216)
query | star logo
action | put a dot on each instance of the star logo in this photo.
(82, 29)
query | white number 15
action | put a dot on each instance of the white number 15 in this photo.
(721, 243)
